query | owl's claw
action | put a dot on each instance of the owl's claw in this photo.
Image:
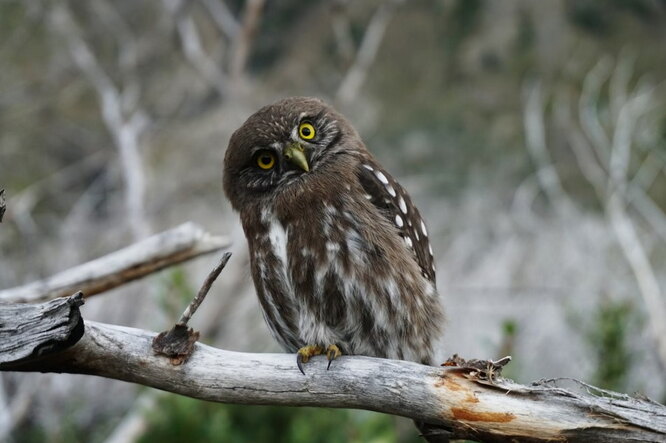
(304, 354)
(332, 352)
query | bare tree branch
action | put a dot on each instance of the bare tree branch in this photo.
(457, 399)
(171, 247)
(342, 30)
(535, 132)
(240, 48)
(125, 130)
(367, 51)
(605, 162)
(628, 114)
(223, 18)
(207, 67)
(587, 109)
(134, 424)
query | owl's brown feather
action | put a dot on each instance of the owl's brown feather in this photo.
(339, 254)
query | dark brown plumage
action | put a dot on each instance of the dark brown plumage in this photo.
(339, 254)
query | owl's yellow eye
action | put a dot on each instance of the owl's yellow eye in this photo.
(266, 160)
(306, 131)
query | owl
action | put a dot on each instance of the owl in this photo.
(340, 256)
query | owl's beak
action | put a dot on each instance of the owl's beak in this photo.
(296, 155)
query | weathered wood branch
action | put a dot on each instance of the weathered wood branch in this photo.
(153, 254)
(28, 332)
(457, 399)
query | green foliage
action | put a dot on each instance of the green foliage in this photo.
(179, 419)
(464, 18)
(608, 336)
(601, 17)
(507, 346)
(175, 292)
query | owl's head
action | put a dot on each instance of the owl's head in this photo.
(284, 144)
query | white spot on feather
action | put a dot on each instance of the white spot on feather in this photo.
(368, 167)
(390, 190)
(402, 205)
(382, 178)
(408, 240)
(277, 235)
(398, 221)
(423, 229)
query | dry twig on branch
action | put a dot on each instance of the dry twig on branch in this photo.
(166, 249)
(466, 402)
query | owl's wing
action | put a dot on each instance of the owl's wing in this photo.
(393, 201)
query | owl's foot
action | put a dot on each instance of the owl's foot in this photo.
(332, 352)
(303, 355)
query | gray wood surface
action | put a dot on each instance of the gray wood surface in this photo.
(455, 398)
(29, 332)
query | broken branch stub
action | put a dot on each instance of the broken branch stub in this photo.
(178, 342)
(31, 332)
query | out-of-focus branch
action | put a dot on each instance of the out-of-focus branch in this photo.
(353, 81)
(468, 401)
(605, 162)
(207, 67)
(596, 175)
(587, 109)
(3, 204)
(223, 18)
(535, 134)
(133, 262)
(125, 130)
(243, 42)
(629, 113)
(119, 29)
(342, 30)
(134, 424)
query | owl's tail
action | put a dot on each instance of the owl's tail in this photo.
(433, 433)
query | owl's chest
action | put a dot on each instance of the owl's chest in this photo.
(304, 254)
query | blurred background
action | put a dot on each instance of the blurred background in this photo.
(531, 135)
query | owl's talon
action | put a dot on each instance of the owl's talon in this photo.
(332, 352)
(304, 354)
(299, 363)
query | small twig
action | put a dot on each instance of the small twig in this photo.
(194, 304)
(178, 342)
(3, 205)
